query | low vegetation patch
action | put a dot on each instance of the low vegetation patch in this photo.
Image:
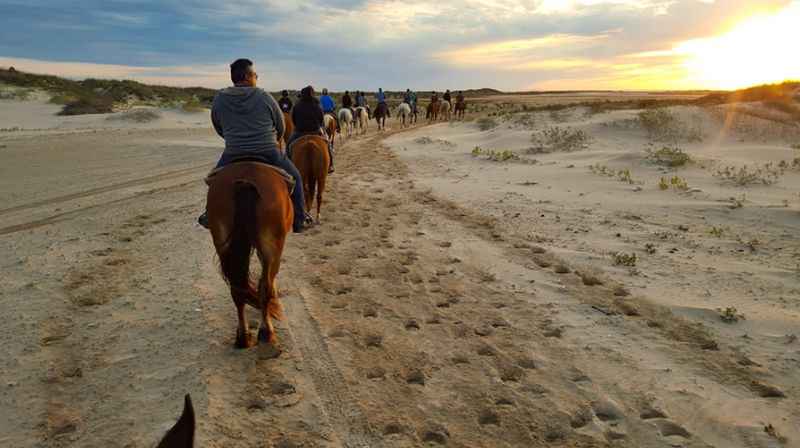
(486, 123)
(495, 156)
(425, 140)
(664, 126)
(730, 315)
(137, 115)
(794, 164)
(670, 156)
(623, 175)
(91, 96)
(523, 120)
(675, 182)
(89, 105)
(558, 139)
(767, 174)
(624, 259)
(13, 93)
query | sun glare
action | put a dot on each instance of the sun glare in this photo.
(761, 49)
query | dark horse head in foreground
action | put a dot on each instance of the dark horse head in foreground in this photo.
(182, 434)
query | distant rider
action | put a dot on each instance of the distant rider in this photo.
(285, 102)
(361, 101)
(347, 102)
(329, 106)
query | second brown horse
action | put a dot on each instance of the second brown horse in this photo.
(310, 156)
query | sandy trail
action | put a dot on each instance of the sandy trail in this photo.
(411, 320)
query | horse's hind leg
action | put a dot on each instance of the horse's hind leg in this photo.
(266, 333)
(320, 188)
(243, 339)
(268, 290)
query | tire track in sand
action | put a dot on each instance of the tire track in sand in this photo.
(343, 412)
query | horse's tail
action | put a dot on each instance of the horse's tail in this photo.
(235, 259)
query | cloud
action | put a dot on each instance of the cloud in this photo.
(372, 43)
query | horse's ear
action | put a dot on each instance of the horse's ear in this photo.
(182, 434)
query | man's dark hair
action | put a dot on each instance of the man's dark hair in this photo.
(239, 70)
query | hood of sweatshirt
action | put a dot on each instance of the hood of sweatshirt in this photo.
(241, 100)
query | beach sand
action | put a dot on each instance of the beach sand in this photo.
(445, 299)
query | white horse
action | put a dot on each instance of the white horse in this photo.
(330, 127)
(362, 119)
(403, 112)
(444, 110)
(346, 122)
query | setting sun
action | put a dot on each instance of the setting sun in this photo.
(755, 51)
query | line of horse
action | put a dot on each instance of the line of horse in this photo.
(249, 210)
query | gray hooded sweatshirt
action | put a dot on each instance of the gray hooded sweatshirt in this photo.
(249, 119)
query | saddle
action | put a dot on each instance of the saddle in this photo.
(286, 176)
(305, 137)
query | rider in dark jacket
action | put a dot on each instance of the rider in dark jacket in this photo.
(285, 102)
(347, 101)
(308, 120)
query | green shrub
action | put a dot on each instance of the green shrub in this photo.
(623, 259)
(663, 125)
(558, 139)
(671, 156)
(485, 123)
(494, 156)
(767, 174)
(92, 105)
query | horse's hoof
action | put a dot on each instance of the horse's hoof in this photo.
(264, 335)
(244, 341)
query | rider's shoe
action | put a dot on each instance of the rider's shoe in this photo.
(331, 170)
(203, 220)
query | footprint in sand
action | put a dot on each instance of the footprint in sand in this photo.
(488, 417)
(412, 324)
(606, 410)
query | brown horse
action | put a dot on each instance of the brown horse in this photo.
(288, 128)
(310, 156)
(381, 112)
(432, 111)
(249, 209)
(182, 434)
(461, 109)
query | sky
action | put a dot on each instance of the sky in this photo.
(418, 44)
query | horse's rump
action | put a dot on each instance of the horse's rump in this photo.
(310, 156)
(244, 159)
(382, 110)
(345, 115)
(268, 181)
(288, 126)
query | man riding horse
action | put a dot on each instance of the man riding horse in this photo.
(411, 99)
(361, 101)
(347, 102)
(329, 106)
(308, 120)
(285, 102)
(250, 121)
